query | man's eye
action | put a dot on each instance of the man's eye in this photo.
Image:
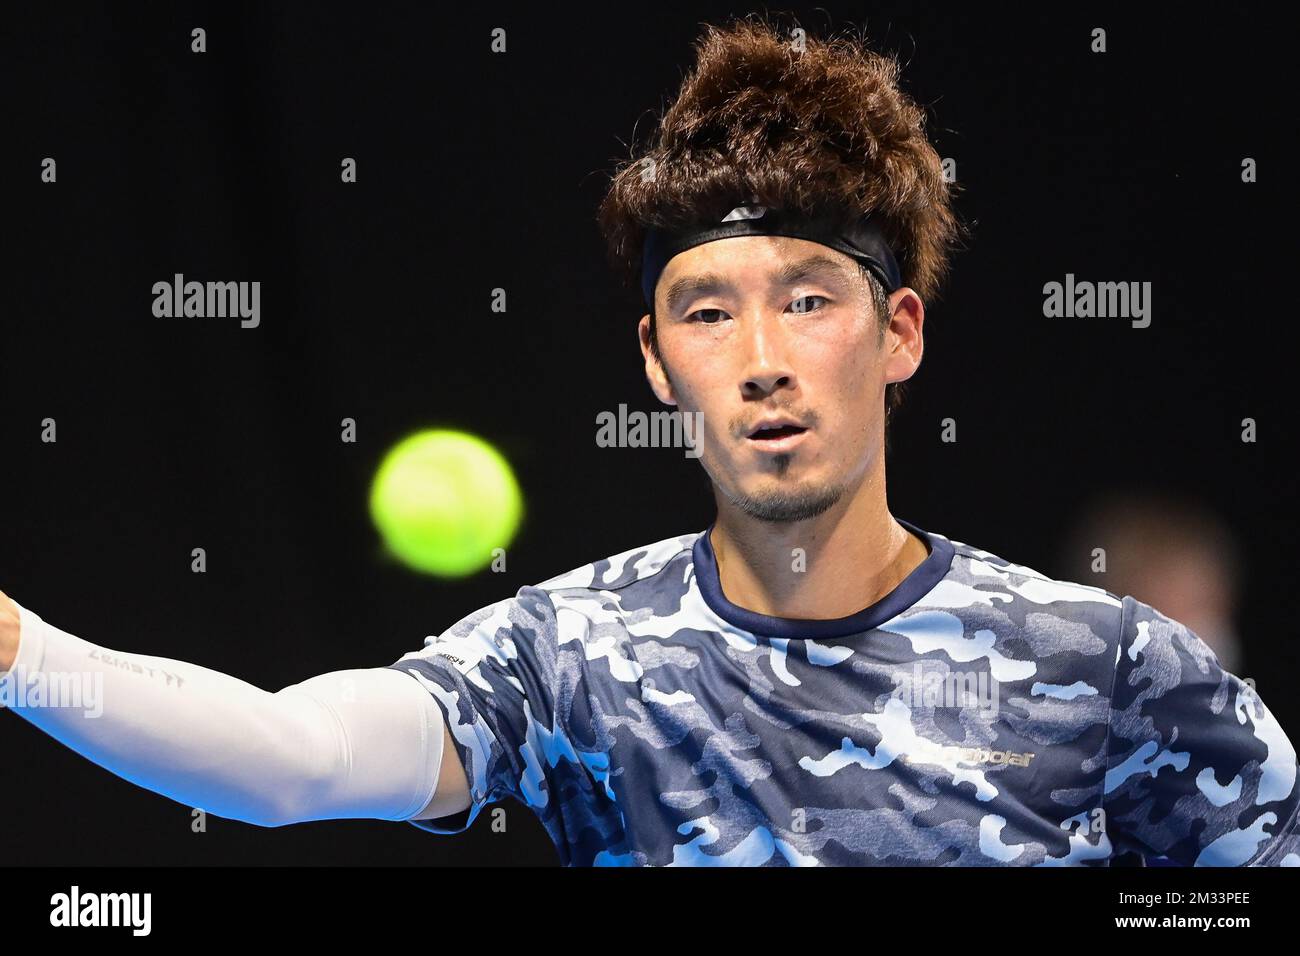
(804, 298)
(701, 312)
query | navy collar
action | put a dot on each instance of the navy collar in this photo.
(910, 590)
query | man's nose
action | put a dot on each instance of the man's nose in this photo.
(766, 368)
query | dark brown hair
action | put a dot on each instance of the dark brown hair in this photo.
(808, 126)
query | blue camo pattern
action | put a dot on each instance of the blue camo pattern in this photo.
(645, 729)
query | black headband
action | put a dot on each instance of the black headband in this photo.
(860, 239)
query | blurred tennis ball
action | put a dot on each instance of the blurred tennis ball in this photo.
(443, 500)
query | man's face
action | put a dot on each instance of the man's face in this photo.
(772, 330)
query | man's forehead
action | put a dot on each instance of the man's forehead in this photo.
(772, 251)
(776, 259)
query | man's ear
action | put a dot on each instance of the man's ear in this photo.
(654, 369)
(904, 342)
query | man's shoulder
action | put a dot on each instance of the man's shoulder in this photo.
(1035, 602)
(980, 565)
(621, 570)
(566, 606)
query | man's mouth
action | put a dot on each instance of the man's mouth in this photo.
(777, 435)
(777, 431)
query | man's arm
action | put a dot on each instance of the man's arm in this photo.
(452, 794)
(1197, 767)
(364, 743)
(497, 675)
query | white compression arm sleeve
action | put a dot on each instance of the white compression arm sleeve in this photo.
(363, 743)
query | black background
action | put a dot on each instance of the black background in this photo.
(479, 171)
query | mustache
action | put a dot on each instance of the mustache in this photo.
(742, 425)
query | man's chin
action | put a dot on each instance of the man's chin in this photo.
(783, 504)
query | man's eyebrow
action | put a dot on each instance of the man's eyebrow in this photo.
(792, 272)
(788, 274)
(686, 285)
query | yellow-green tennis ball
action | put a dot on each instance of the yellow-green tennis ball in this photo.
(444, 500)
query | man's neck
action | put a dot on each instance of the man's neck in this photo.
(831, 566)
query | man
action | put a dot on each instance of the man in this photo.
(810, 681)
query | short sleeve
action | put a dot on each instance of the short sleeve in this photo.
(1198, 770)
(493, 675)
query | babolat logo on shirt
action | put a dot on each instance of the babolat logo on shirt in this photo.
(649, 721)
(971, 755)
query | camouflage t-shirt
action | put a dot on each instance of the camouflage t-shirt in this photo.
(980, 714)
